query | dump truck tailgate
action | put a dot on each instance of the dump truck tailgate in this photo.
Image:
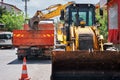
(33, 37)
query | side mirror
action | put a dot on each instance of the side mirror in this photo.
(62, 15)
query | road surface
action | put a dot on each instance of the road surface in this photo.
(11, 67)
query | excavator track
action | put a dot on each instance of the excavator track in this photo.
(85, 65)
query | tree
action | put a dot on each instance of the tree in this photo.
(2, 11)
(12, 20)
(103, 21)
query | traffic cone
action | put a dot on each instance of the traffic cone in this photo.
(24, 75)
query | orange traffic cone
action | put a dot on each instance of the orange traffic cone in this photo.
(24, 75)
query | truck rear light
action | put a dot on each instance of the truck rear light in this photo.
(22, 35)
(48, 35)
(18, 35)
(44, 35)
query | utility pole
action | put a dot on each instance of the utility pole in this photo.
(25, 7)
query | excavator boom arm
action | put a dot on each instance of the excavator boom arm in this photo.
(39, 15)
(54, 11)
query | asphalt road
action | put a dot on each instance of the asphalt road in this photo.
(11, 67)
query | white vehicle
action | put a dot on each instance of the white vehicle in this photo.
(6, 40)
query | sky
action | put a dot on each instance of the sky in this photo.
(34, 5)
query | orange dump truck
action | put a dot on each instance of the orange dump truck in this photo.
(34, 42)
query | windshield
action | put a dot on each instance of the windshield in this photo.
(82, 14)
(5, 36)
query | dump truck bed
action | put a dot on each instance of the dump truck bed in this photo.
(42, 37)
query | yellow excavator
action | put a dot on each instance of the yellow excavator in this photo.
(85, 56)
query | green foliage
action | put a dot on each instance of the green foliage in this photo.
(2, 11)
(103, 22)
(12, 20)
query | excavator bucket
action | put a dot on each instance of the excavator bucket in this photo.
(85, 65)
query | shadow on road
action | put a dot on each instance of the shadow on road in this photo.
(31, 61)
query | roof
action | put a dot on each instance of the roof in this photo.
(11, 5)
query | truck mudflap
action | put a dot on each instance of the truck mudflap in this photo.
(85, 65)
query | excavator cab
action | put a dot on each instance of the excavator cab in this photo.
(77, 12)
(84, 57)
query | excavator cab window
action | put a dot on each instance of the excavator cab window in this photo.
(78, 17)
(84, 12)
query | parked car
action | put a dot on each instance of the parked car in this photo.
(6, 39)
